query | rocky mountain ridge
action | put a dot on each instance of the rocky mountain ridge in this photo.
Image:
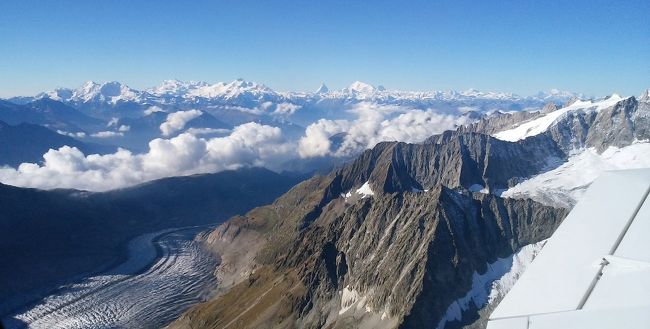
(618, 123)
(332, 252)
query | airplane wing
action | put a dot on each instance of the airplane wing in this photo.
(594, 272)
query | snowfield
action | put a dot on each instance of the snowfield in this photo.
(564, 185)
(541, 124)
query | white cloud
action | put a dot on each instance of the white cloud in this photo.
(375, 124)
(250, 144)
(107, 134)
(79, 134)
(466, 109)
(153, 109)
(316, 141)
(176, 121)
(266, 106)
(206, 131)
(286, 109)
(112, 122)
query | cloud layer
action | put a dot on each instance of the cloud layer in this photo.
(250, 144)
(373, 125)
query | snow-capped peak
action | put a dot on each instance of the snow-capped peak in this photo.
(645, 97)
(111, 92)
(58, 94)
(475, 93)
(556, 95)
(359, 87)
(241, 85)
(322, 89)
(230, 90)
(176, 87)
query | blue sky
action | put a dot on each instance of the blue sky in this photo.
(594, 47)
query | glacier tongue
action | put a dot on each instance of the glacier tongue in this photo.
(166, 273)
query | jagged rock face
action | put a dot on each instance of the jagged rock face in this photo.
(401, 251)
(450, 159)
(618, 126)
(641, 120)
(613, 126)
(571, 132)
(395, 258)
(265, 232)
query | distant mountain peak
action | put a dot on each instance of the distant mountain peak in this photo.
(176, 87)
(111, 92)
(558, 96)
(361, 87)
(322, 89)
(645, 97)
(58, 94)
(613, 96)
(230, 90)
(88, 85)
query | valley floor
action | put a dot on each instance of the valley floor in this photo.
(165, 273)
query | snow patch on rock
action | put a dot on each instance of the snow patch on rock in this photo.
(499, 278)
(351, 298)
(365, 190)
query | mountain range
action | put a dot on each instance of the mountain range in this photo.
(115, 115)
(439, 200)
(112, 99)
(244, 92)
(412, 235)
(243, 101)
